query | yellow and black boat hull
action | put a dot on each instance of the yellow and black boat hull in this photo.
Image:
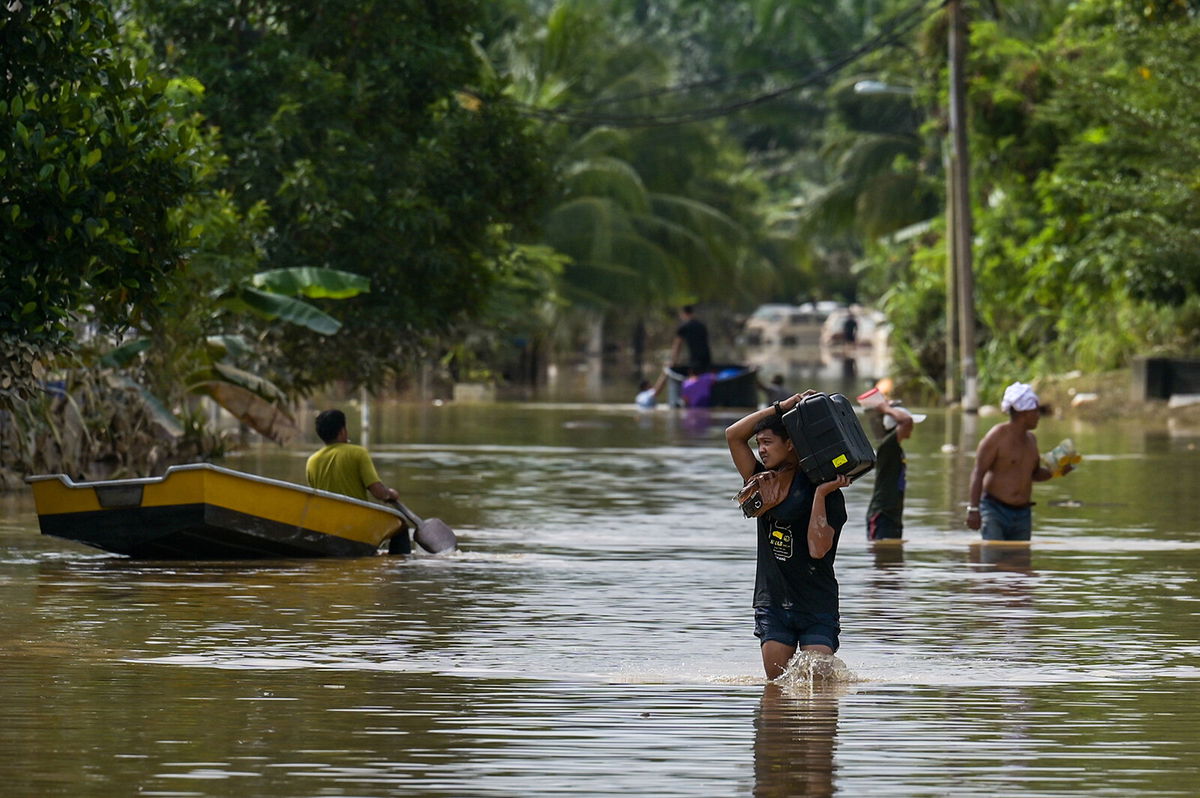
(205, 512)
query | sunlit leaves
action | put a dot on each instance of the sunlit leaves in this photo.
(96, 159)
(312, 282)
(275, 306)
(1085, 147)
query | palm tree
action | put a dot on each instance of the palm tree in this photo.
(629, 212)
(861, 174)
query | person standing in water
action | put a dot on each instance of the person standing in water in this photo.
(694, 334)
(647, 395)
(885, 514)
(795, 590)
(1007, 463)
(850, 329)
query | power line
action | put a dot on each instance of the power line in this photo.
(885, 30)
(890, 33)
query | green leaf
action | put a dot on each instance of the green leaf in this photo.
(252, 410)
(313, 282)
(223, 372)
(124, 354)
(252, 382)
(234, 345)
(295, 311)
(155, 408)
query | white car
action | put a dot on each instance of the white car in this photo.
(779, 325)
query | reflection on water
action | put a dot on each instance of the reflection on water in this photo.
(1015, 557)
(888, 553)
(594, 634)
(795, 736)
(845, 369)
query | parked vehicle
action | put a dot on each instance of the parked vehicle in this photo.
(780, 325)
(870, 327)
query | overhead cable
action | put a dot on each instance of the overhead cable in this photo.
(889, 34)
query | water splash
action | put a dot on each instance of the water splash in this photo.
(809, 670)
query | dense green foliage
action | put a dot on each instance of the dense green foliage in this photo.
(196, 194)
(1087, 195)
(349, 121)
(839, 167)
(98, 154)
(649, 216)
(336, 143)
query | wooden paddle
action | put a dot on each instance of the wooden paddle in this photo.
(432, 534)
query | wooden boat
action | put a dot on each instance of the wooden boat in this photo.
(205, 512)
(722, 386)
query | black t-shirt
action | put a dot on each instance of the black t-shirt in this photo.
(850, 329)
(695, 335)
(787, 574)
(891, 476)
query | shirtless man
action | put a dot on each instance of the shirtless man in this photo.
(1007, 463)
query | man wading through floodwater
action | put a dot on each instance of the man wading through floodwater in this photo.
(795, 591)
(1007, 464)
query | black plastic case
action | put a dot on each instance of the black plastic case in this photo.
(829, 438)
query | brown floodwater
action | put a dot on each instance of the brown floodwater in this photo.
(594, 636)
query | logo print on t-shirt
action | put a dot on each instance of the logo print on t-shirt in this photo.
(781, 540)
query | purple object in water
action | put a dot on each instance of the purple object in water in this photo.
(696, 391)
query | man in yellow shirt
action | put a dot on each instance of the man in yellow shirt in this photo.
(341, 467)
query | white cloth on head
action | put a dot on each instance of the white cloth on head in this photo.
(1019, 397)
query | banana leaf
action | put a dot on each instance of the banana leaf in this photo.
(312, 282)
(265, 418)
(235, 345)
(124, 354)
(219, 372)
(278, 306)
(158, 412)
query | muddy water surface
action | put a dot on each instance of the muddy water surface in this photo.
(593, 635)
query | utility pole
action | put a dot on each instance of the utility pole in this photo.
(960, 214)
(951, 345)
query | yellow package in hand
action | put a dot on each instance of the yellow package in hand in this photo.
(1057, 459)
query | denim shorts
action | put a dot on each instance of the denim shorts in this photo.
(796, 628)
(1000, 521)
